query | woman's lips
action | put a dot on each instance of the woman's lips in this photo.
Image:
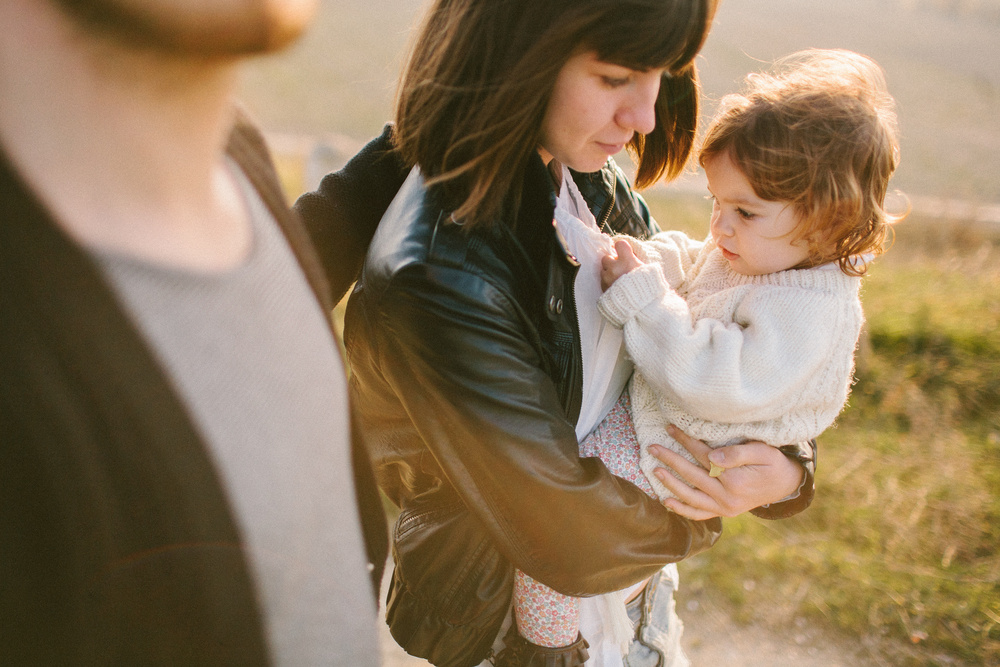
(611, 149)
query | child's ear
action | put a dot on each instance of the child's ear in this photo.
(814, 247)
(819, 246)
(817, 241)
(813, 243)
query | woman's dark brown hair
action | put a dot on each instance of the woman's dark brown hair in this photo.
(480, 75)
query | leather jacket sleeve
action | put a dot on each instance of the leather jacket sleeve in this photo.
(452, 350)
(342, 214)
(804, 453)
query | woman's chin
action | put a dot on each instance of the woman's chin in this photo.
(589, 164)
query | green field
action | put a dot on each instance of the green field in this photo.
(900, 552)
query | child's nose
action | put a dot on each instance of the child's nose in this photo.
(720, 226)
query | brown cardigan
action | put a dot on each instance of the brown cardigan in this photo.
(117, 543)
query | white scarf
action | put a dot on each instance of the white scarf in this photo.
(606, 370)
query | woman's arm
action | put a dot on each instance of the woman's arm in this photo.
(452, 349)
(770, 482)
(342, 215)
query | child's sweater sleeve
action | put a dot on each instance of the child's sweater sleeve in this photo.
(759, 366)
(675, 252)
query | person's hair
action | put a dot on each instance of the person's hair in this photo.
(818, 131)
(475, 90)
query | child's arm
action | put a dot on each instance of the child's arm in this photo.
(617, 265)
(753, 368)
(675, 253)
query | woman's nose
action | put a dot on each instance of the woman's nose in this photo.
(639, 113)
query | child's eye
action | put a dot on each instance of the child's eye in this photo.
(745, 214)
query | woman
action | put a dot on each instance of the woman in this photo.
(462, 332)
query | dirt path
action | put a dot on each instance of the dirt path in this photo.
(712, 639)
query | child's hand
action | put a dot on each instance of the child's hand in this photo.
(614, 266)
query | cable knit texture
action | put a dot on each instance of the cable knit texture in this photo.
(729, 358)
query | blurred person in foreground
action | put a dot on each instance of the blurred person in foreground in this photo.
(177, 478)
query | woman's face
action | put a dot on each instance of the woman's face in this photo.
(595, 109)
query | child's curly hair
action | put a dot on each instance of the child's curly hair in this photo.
(818, 131)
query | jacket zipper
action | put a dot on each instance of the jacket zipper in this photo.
(575, 396)
(606, 213)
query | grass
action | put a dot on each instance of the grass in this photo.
(901, 548)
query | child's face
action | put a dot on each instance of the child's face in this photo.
(754, 234)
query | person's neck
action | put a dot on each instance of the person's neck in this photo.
(125, 148)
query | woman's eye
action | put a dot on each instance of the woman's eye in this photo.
(614, 81)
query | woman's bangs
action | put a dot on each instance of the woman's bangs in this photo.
(643, 38)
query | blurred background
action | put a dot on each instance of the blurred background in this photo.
(898, 560)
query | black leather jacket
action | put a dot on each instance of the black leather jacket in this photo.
(466, 378)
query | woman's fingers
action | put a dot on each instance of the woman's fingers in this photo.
(762, 473)
(699, 450)
(746, 476)
(695, 489)
(687, 511)
(693, 473)
(691, 497)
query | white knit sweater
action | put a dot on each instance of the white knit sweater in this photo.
(729, 358)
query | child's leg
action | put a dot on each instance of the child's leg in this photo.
(547, 618)
(544, 617)
(658, 629)
(614, 442)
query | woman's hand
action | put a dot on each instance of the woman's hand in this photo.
(754, 474)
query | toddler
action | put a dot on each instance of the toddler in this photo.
(749, 334)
